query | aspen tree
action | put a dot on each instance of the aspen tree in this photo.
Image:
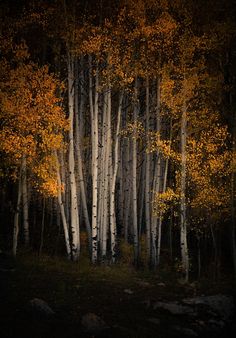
(134, 177)
(32, 127)
(62, 212)
(74, 215)
(78, 129)
(93, 101)
(147, 176)
(16, 217)
(113, 182)
(183, 218)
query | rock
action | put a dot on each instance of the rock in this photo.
(155, 321)
(193, 285)
(128, 291)
(41, 307)
(200, 323)
(185, 331)
(174, 308)
(93, 323)
(143, 284)
(161, 284)
(182, 281)
(221, 305)
(218, 324)
(6, 270)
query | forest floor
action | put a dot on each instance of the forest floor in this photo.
(100, 301)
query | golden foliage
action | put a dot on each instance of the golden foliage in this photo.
(32, 119)
(134, 130)
(162, 201)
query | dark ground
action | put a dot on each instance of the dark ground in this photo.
(119, 295)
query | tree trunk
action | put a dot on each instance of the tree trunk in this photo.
(63, 214)
(73, 190)
(147, 178)
(16, 216)
(113, 183)
(134, 177)
(94, 137)
(183, 219)
(79, 161)
(25, 202)
(42, 228)
(156, 184)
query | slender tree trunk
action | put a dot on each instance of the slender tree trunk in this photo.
(103, 188)
(94, 137)
(161, 216)
(215, 251)
(147, 177)
(141, 200)
(183, 219)
(62, 211)
(80, 162)
(163, 190)
(199, 256)
(25, 202)
(42, 228)
(113, 183)
(134, 178)
(127, 189)
(73, 191)
(16, 216)
(156, 182)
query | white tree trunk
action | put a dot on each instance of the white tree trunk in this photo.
(62, 212)
(94, 137)
(104, 172)
(113, 184)
(73, 190)
(80, 161)
(134, 178)
(156, 181)
(183, 223)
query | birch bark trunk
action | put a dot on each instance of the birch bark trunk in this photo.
(62, 212)
(94, 137)
(104, 168)
(113, 229)
(156, 181)
(134, 177)
(73, 190)
(183, 220)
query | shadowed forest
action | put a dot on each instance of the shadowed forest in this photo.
(118, 168)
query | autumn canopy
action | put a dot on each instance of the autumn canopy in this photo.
(118, 123)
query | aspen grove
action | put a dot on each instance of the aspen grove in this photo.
(118, 130)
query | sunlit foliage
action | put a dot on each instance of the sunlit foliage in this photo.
(32, 120)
